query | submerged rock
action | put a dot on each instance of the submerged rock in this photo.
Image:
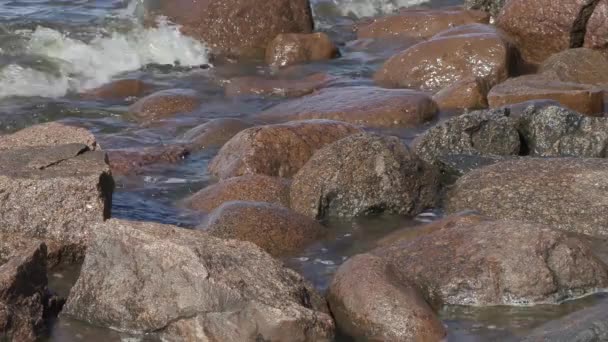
(209, 288)
(361, 105)
(276, 150)
(134, 160)
(253, 188)
(565, 193)
(213, 133)
(468, 93)
(364, 174)
(48, 134)
(119, 90)
(253, 85)
(276, 229)
(296, 48)
(164, 104)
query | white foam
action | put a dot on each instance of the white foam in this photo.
(368, 8)
(85, 65)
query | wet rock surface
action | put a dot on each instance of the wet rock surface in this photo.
(119, 90)
(164, 104)
(55, 194)
(276, 229)
(253, 188)
(252, 85)
(419, 23)
(210, 288)
(134, 161)
(565, 193)
(364, 174)
(276, 150)
(465, 94)
(213, 133)
(238, 27)
(581, 65)
(361, 105)
(48, 134)
(296, 48)
(427, 66)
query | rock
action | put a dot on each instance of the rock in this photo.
(587, 325)
(464, 94)
(541, 28)
(276, 150)
(119, 90)
(492, 7)
(477, 133)
(453, 166)
(427, 66)
(596, 30)
(48, 134)
(558, 132)
(55, 194)
(164, 104)
(364, 174)
(276, 229)
(296, 48)
(582, 98)
(242, 28)
(252, 85)
(565, 193)
(23, 289)
(360, 105)
(419, 23)
(210, 288)
(253, 188)
(495, 263)
(134, 160)
(213, 133)
(580, 65)
(369, 304)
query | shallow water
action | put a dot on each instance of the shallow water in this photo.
(51, 50)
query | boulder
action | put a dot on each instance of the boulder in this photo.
(119, 90)
(48, 134)
(581, 65)
(296, 48)
(470, 93)
(541, 28)
(241, 28)
(254, 85)
(209, 288)
(135, 160)
(419, 23)
(213, 133)
(370, 305)
(565, 193)
(253, 188)
(480, 133)
(582, 98)
(463, 262)
(276, 150)
(427, 66)
(55, 194)
(364, 174)
(276, 229)
(360, 105)
(492, 7)
(596, 30)
(164, 104)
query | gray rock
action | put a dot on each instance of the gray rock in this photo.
(490, 132)
(565, 193)
(491, 6)
(187, 285)
(364, 174)
(48, 134)
(55, 194)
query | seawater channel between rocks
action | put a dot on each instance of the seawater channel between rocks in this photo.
(49, 52)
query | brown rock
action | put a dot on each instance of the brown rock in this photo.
(276, 150)
(367, 106)
(420, 23)
(580, 65)
(252, 85)
(482, 53)
(364, 174)
(295, 48)
(468, 93)
(48, 134)
(213, 133)
(133, 161)
(164, 104)
(118, 90)
(276, 229)
(565, 193)
(582, 98)
(369, 304)
(238, 27)
(596, 31)
(496, 263)
(253, 188)
(541, 28)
